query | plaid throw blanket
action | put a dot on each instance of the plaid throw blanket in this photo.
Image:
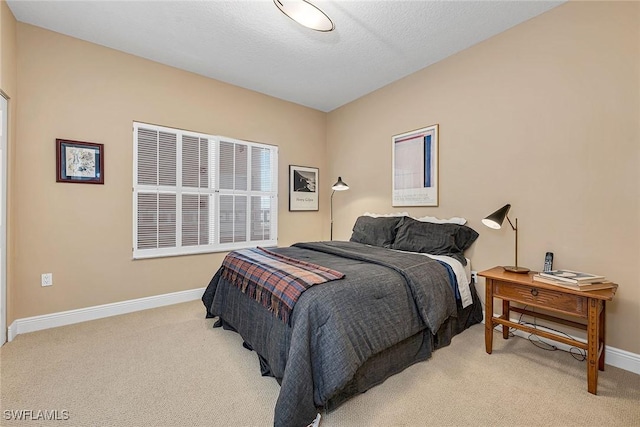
(275, 281)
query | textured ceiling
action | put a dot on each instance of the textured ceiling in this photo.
(253, 45)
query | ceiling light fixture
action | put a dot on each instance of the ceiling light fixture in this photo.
(306, 14)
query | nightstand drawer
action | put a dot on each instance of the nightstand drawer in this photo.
(559, 301)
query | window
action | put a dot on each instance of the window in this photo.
(196, 193)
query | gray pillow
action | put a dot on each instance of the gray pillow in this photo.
(435, 239)
(380, 231)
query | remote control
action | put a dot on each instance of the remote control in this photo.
(548, 262)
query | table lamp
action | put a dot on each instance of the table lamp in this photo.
(495, 221)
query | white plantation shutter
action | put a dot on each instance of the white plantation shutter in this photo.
(190, 161)
(226, 219)
(190, 219)
(156, 220)
(195, 204)
(260, 218)
(204, 163)
(195, 219)
(262, 184)
(233, 219)
(227, 166)
(241, 169)
(166, 158)
(204, 222)
(195, 162)
(155, 210)
(147, 172)
(234, 179)
(197, 193)
(261, 164)
(240, 219)
(166, 220)
(147, 221)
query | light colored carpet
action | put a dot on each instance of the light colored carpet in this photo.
(168, 367)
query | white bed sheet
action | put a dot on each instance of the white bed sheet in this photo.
(462, 272)
(463, 276)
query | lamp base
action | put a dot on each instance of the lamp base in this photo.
(513, 269)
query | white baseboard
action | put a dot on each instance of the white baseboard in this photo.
(613, 356)
(53, 320)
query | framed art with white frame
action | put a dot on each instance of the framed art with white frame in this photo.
(415, 167)
(303, 188)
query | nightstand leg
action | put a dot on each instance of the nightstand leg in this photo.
(506, 313)
(593, 341)
(488, 316)
(601, 329)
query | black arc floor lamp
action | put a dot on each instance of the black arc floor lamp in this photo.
(495, 221)
(340, 185)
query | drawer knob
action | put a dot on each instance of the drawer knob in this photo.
(534, 292)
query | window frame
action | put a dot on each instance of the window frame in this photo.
(213, 190)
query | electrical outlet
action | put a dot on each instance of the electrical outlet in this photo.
(47, 279)
(474, 276)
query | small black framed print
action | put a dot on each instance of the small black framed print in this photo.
(303, 188)
(79, 162)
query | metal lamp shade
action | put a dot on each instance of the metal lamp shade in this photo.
(496, 219)
(340, 185)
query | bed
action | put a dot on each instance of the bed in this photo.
(401, 297)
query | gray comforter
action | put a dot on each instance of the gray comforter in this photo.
(385, 298)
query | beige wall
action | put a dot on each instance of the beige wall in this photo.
(7, 49)
(83, 233)
(544, 116)
(8, 85)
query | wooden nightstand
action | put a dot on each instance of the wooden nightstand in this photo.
(521, 288)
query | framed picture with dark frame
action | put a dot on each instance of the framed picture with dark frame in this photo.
(79, 162)
(303, 188)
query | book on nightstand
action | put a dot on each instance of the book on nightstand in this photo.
(571, 276)
(603, 284)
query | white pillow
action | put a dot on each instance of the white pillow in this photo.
(374, 215)
(453, 220)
